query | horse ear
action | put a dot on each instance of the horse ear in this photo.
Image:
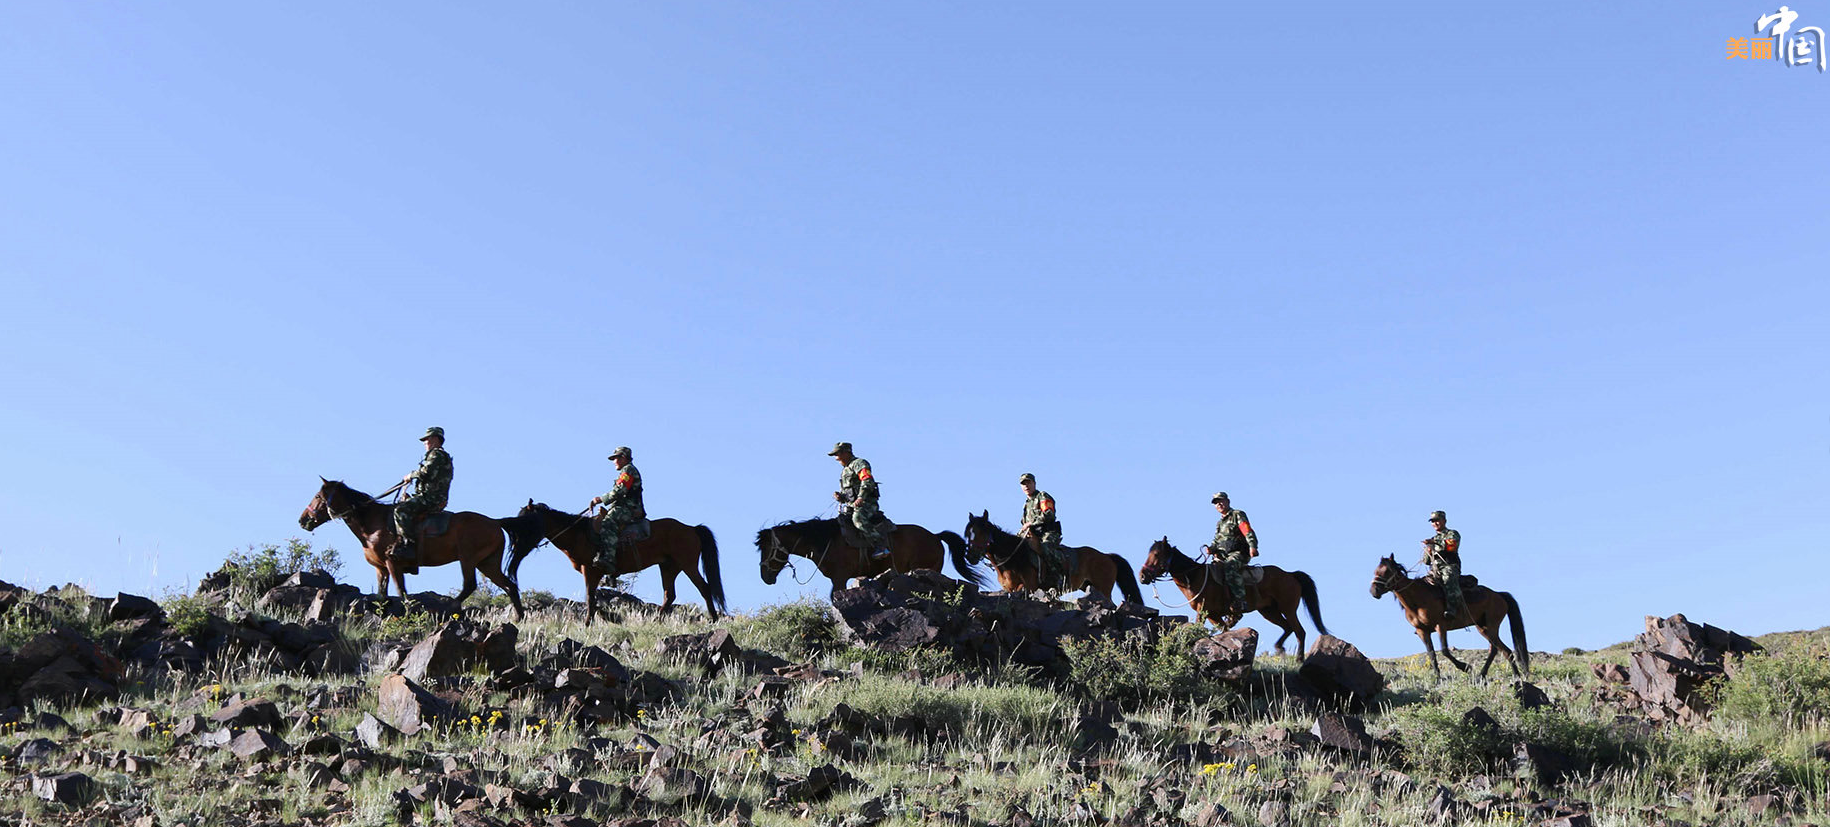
(323, 480)
(986, 514)
(530, 500)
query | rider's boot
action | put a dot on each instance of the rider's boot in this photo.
(404, 551)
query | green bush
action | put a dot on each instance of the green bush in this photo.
(188, 615)
(1791, 686)
(256, 569)
(1439, 740)
(1132, 671)
(792, 630)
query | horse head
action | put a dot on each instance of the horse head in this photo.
(1390, 576)
(979, 533)
(1157, 563)
(319, 510)
(774, 552)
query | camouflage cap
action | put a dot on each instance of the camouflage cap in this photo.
(839, 448)
(621, 451)
(1026, 478)
(1221, 497)
(434, 431)
(1438, 515)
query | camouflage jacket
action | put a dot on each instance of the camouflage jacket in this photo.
(1447, 543)
(626, 495)
(1039, 513)
(432, 479)
(1232, 530)
(856, 482)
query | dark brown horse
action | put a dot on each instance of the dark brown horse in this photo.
(1275, 598)
(473, 540)
(911, 547)
(1424, 607)
(1016, 563)
(673, 545)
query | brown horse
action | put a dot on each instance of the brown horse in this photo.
(911, 547)
(1424, 607)
(1275, 598)
(1015, 562)
(673, 545)
(473, 540)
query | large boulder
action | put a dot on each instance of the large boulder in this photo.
(458, 646)
(1674, 659)
(1227, 656)
(128, 606)
(407, 707)
(1341, 674)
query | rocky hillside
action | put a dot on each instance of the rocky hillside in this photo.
(912, 699)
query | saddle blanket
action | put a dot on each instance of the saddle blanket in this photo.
(1253, 575)
(638, 531)
(1471, 589)
(849, 532)
(432, 525)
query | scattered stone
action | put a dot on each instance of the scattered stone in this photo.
(258, 745)
(819, 785)
(1548, 764)
(1443, 805)
(71, 789)
(1480, 720)
(251, 712)
(672, 785)
(1346, 733)
(1529, 695)
(458, 646)
(36, 751)
(1610, 672)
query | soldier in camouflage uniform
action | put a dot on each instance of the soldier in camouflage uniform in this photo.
(857, 496)
(1442, 553)
(1234, 546)
(431, 491)
(622, 508)
(1042, 530)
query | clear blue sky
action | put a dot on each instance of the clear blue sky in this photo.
(1555, 268)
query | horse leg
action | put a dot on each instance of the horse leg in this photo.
(591, 577)
(705, 589)
(470, 582)
(492, 569)
(1448, 652)
(1496, 646)
(1430, 646)
(381, 580)
(668, 572)
(400, 579)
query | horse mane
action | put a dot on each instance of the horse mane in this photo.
(338, 486)
(1178, 561)
(997, 531)
(814, 530)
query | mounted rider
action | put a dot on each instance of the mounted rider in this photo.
(1442, 553)
(1233, 547)
(1042, 530)
(857, 497)
(622, 508)
(431, 491)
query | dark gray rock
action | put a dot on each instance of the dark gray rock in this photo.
(71, 789)
(252, 712)
(1346, 733)
(1529, 695)
(405, 706)
(1227, 656)
(128, 606)
(258, 745)
(1341, 674)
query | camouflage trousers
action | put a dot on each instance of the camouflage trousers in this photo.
(1232, 570)
(864, 517)
(1448, 576)
(1055, 569)
(409, 511)
(610, 530)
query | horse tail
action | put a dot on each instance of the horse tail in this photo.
(956, 548)
(708, 560)
(524, 537)
(1518, 633)
(1311, 599)
(1126, 579)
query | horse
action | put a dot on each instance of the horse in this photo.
(911, 547)
(1424, 607)
(1016, 563)
(673, 545)
(473, 540)
(1275, 598)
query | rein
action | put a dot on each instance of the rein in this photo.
(347, 512)
(1207, 575)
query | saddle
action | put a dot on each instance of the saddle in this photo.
(432, 525)
(632, 533)
(1471, 588)
(849, 532)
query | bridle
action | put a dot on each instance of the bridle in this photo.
(776, 547)
(1206, 578)
(1393, 571)
(988, 551)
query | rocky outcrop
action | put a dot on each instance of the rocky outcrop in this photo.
(1674, 659)
(1341, 674)
(897, 612)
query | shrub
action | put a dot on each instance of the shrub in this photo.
(1791, 686)
(790, 629)
(256, 569)
(1439, 740)
(414, 623)
(188, 615)
(1131, 670)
